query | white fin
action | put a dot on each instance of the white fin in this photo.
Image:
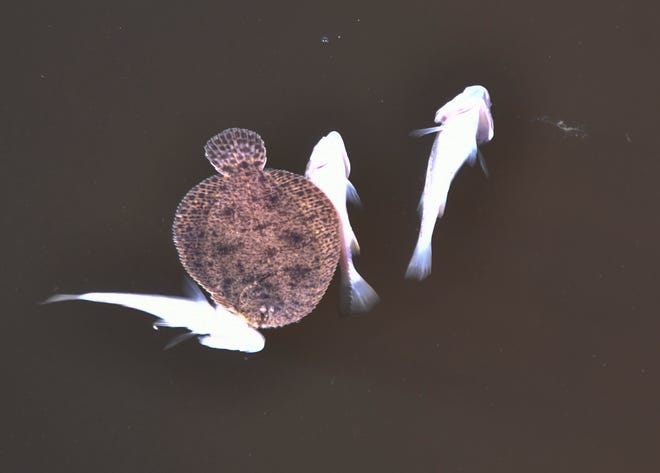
(228, 331)
(356, 295)
(472, 157)
(182, 337)
(425, 131)
(192, 291)
(352, 195)
(482, 163)
(355, 246)
(420, 264)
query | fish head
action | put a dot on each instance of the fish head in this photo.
(471, 98)
(477, 91)
(330, 155)
(474, 99)
(486, 128)
(232, 332)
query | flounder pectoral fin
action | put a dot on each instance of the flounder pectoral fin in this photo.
(236, 149)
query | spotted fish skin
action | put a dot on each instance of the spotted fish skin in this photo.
(236, 149)
(263, 242)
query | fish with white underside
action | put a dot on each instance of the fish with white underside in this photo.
(464, 123)
(213, 326)
(328, 168)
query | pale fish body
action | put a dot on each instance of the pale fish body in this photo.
(465, 122)
(328, 168)
(214, 327)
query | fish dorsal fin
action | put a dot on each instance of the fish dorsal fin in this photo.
(236, 149)
(352, 195)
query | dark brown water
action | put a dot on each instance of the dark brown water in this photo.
(533, 346)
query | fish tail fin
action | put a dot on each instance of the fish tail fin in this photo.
(420, 263)
(356, 295)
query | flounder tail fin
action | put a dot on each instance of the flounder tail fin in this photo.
(236, 149)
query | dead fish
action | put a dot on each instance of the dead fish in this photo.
(214, 327)
(465, 122)
(264, 243)
(328, 168)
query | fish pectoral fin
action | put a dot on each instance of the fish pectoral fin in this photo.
(182, 337)
(355, 246)
(472, 157)
(425, 131)
(192, 291)
(482, 163)
(352, 195)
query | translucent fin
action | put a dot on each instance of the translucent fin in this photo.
(182, 337)
(352, 195)
(425, 131)
(472, 158)
(420, 264)
(356, 295)
(236, 149)
(482, 162)
(355, 246)
(192, 291)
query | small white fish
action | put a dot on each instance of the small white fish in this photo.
(214, 327)
(465, 123)
(328, 168)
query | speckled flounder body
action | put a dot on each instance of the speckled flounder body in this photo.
(263, 242)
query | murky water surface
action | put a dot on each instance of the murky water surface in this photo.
(532, 347)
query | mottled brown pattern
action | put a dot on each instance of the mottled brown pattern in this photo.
(264, 243)
(235, 149)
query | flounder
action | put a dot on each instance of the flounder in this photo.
(264, 243)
